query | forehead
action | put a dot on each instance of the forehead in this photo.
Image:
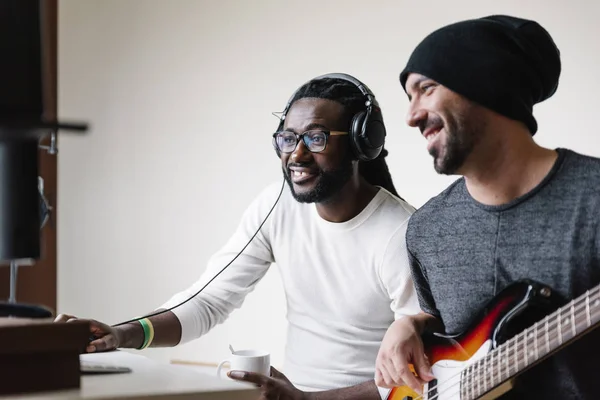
(311, 112)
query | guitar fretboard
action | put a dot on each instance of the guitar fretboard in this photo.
(531, 345)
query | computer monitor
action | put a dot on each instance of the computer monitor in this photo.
(21, 97)
(25, 55)
(21, 110)
(24, 122)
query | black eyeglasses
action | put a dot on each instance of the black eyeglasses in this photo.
(314, 140)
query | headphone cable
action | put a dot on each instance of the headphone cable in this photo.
(214, 277)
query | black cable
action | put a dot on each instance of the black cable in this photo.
(214, 277)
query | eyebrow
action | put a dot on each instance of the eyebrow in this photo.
(415, 84)
(309, 127)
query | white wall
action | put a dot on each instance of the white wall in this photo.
(179, 95)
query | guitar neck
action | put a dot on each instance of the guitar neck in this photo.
(545, 337)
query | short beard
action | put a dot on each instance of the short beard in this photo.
(329, 183)
(461, 138)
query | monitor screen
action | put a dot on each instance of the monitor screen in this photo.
(21, 96)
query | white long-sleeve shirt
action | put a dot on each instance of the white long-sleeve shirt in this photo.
(345, 283)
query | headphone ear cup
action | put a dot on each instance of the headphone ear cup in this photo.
(356, 132)
(374, 133)
(367, 134)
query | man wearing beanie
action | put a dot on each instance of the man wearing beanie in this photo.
(519, 211)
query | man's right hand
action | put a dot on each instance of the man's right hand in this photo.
(106, 337)
(401, 346)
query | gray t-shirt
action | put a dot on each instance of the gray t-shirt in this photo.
(463, 253)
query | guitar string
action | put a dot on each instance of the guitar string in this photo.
(478, 380)
(588, 296)
(518, 356)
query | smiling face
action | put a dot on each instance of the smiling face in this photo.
(316, 177)
(452, 124)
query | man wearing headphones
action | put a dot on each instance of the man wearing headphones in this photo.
(337, 234)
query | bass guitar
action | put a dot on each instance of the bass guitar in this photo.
(479, 363)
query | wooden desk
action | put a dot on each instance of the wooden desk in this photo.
(148, 380)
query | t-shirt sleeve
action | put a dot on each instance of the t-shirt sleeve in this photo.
(395, 276)
(228, 290)
(598, 243)
(421, 283)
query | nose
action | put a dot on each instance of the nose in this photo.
(415, 115)
(300, 152)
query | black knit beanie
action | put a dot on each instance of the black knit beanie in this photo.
(504, 63)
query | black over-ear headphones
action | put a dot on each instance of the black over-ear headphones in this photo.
(367, 131)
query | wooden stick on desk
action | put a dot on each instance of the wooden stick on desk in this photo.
(195, 363)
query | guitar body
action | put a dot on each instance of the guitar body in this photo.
(451, 355)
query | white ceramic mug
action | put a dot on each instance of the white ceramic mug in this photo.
(248, 360)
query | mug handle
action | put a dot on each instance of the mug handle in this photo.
(221, 366)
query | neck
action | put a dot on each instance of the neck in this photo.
(506, 166)
(535, 343)
(348, 202)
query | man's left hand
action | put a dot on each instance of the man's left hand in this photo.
(274, 387)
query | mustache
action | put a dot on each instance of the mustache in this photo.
(433, 122)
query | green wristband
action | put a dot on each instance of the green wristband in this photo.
(147, 331)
